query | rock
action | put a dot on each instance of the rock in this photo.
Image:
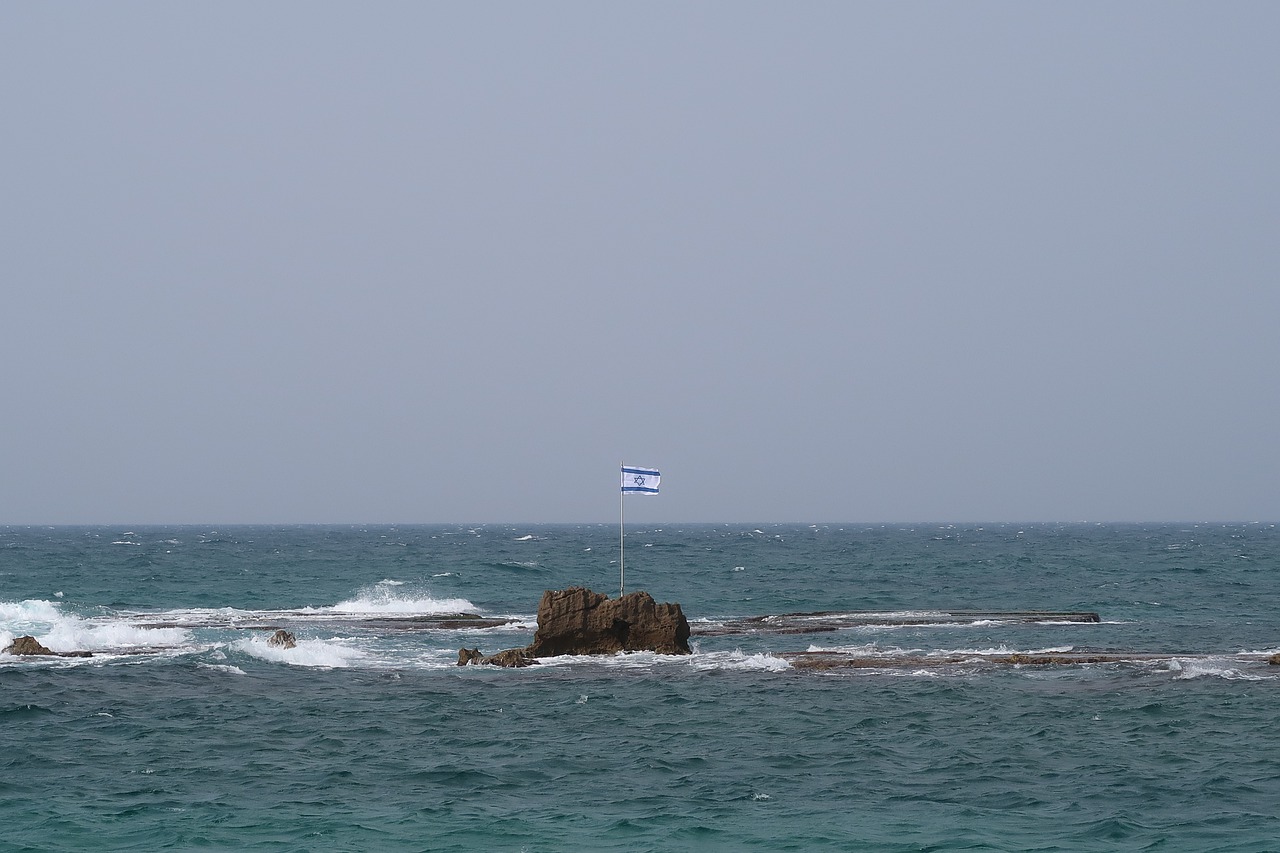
(578, 621)
(27, 646)
(282, 639)
(32, 646)
(1274, 660)
(509, 658)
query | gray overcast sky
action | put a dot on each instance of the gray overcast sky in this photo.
(414, 262)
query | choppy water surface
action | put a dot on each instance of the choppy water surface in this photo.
(185, 729)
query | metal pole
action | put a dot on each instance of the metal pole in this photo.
(622, 537)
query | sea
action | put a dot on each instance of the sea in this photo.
(186, 730)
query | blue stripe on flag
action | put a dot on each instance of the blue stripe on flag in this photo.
(645, 471)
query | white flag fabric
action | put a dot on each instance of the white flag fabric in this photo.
(639, 481)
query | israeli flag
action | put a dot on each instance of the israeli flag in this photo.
(640, 481)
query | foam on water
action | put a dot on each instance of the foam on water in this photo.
(326, 654)
(222, 667)
(379, 600)
(73, 634)
(1185, 670)
(737, 660)
(64, 632)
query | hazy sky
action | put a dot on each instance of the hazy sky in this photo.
(415, 262)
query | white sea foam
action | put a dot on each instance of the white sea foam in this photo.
(62, 632)
(307, 653)
(738, 661)
(380, 600)
(703, 662)
(1212, 668)
(34, 612)
(73, 634)
(223, 667)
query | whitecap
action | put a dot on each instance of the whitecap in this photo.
(739, 661)
(75, 634)
(61, 632)
(307, 653)
(1186, 670)
(223, 667)
(382, 601)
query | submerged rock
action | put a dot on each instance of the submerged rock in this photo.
(578, 621)
(31, 646)
(283, 639)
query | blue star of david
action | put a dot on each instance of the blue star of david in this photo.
(638, 479)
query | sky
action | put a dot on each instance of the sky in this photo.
(317, 262)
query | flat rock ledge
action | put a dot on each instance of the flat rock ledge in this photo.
(578, 621)
(835, 620)
(30, 646)
(837, 660)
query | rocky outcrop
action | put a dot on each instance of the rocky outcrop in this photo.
(282, 639)
(27, 646)
(31, 646)
(578, 621)
(1274, 660)
(509, 658)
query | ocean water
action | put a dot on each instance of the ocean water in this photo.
(185, 730)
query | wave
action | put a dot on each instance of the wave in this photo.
(380, 600)
(323, 654)
(1186, 670)
(738, 661)
(63, 632)
(514, 565)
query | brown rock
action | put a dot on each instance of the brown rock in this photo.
(283, 639)
(509, 658)
(27, 646)
(1274, 660)
(578, 621)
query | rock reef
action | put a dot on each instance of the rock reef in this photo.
(579, 621)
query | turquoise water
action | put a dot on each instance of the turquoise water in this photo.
(185, 730)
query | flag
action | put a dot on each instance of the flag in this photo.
(640, 481)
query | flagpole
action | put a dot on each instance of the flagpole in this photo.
(622, 536)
